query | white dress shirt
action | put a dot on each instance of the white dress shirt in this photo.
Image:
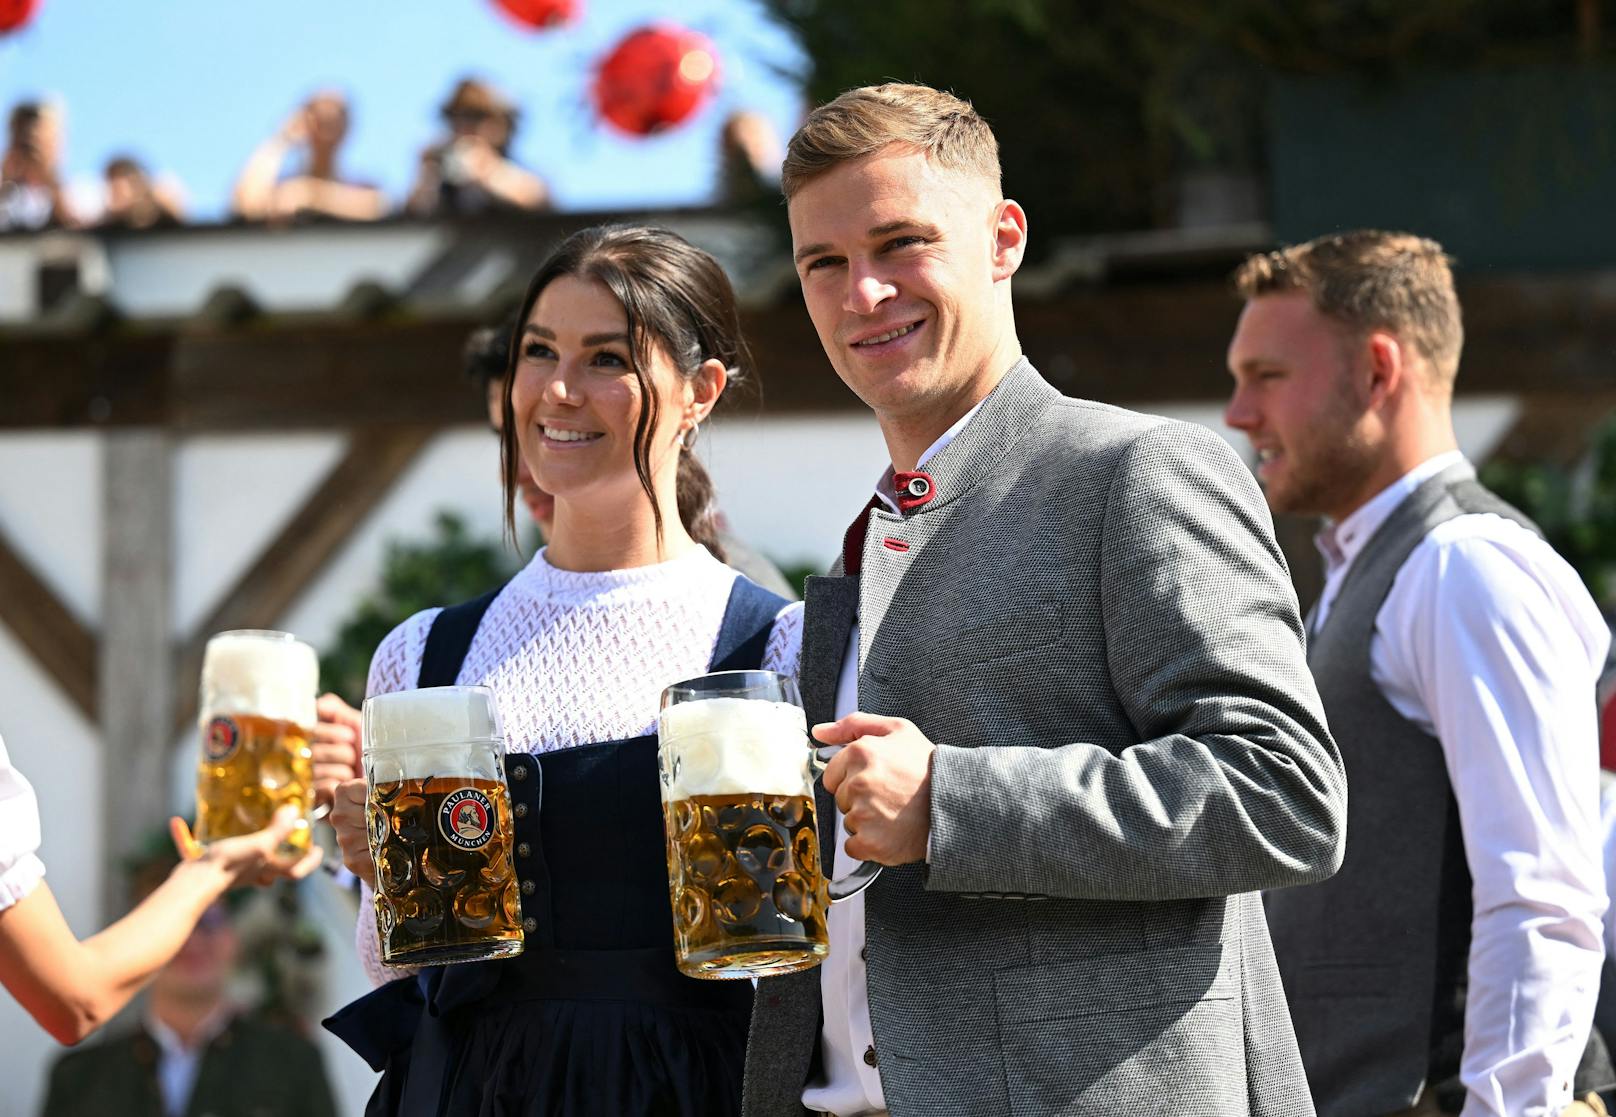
(1489, 642)
(20, 866)
(851, 1086)
(179, 1063)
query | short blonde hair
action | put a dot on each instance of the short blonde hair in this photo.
(863, 121)
(1371, 280)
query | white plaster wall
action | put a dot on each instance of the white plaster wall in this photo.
(50, 511)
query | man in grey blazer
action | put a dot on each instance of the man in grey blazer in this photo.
(1064, 660)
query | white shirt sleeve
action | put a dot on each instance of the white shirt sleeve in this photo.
(20, 866)
(1489, 641)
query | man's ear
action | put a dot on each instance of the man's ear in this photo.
(1388, 366)
(1009, 239)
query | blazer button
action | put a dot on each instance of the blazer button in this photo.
(869, 1056)
(523, 849)
(519, 772)
(520, 810)
(864, 954)
(528, 887)
(530, 925)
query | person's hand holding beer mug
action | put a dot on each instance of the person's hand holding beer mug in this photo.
(335, 747)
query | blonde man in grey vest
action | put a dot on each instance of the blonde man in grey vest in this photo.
(1065, 664)
(1452, 965)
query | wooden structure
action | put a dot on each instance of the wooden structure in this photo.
(1136, 320)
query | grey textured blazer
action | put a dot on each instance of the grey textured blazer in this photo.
(1092, 620)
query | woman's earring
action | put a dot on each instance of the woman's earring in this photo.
(688, 439)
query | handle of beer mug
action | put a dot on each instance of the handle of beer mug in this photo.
(866, 872)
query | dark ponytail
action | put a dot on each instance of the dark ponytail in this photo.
(677, 298)
(698, 505)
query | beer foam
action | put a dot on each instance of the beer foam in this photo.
(269, 675)
(733, 746)
(439, 715)
(434, 731)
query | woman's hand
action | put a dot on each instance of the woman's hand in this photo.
(335, 746)
(348, 820)
(259, 858)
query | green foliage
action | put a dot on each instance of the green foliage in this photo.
(1575, 508)
(451, 568)
(1099, 106)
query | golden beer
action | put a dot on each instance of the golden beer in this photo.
(746, 884)
(440, 827)
(444, 882)
(744, 875)
(256, 716)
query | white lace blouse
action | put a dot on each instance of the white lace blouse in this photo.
(574, 658)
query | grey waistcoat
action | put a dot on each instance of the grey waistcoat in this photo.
(1374, 959)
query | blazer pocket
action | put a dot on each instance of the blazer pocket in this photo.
(1039, 625)
(1126, 1033)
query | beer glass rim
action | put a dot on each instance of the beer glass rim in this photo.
(724, 680)
(274, 635)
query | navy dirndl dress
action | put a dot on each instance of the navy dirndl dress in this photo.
(593, 1018)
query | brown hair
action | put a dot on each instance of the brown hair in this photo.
(677, 299)
(1371, 280)
(863, 121)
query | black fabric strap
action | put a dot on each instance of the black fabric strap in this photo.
(748, 620)
(449, 639)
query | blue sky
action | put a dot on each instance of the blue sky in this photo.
(190, 86)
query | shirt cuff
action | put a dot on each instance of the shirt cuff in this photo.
(20, 879)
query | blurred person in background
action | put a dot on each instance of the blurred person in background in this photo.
(471, 170)
(32, 195)
(72, 988)
(194, 1050)
(267, 191)
(1452, 964)
(135, 201)
(749, 156)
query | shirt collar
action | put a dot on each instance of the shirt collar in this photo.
(1340, 543)
(884, 490)
(213, 1025)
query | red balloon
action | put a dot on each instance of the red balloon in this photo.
(655, 78)
(15, 13)
(539, 14)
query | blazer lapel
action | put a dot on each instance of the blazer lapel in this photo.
(829, 610)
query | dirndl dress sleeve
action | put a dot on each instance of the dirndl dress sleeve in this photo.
(20, 866)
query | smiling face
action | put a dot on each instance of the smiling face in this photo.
(539, 504)
(904, 268)
(577, 401)
(1296, 398)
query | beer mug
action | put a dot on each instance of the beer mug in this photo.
(256, 713)
(744, 871)
(439, 820)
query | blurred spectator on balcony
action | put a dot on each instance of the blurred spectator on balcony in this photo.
(31, 191)
(749, 157)
(266, 191)
(471, 170)
(134, 200)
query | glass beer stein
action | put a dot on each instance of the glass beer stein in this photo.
(439, 819)
(744, 871)
(256, 712)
